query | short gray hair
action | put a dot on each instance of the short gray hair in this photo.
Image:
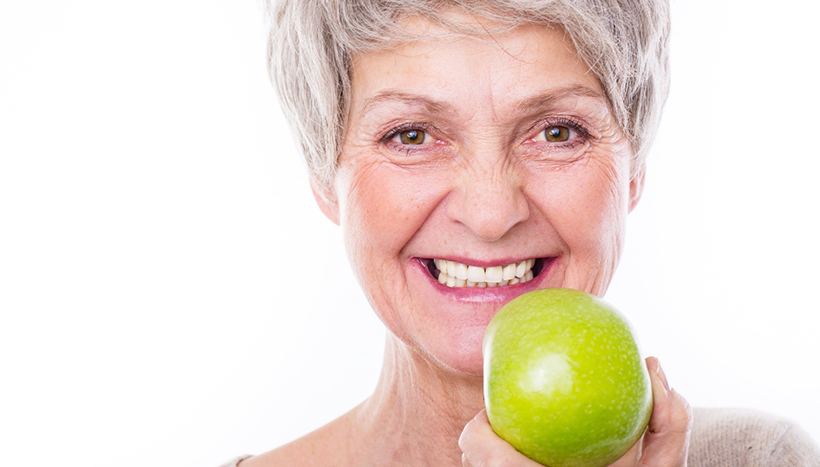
(624, 43)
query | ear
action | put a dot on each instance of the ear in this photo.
(636, 186)
(325, 197)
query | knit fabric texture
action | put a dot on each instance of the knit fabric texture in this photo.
(724, 437)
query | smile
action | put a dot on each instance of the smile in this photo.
(454, 274)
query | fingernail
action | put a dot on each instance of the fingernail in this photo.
(662, 376)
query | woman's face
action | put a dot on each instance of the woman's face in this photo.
(495, 157)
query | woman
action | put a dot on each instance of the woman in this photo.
(470, 152)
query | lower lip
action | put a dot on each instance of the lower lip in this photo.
(501, 294)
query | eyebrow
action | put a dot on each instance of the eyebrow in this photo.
(548, 98)
(388, 96)
(433, 106)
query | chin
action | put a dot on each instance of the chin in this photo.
(458, 352)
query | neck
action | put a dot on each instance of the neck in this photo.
(418, 410)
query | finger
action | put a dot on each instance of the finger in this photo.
(480, 446)
(666, 441)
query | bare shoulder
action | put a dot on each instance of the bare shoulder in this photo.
(325, 446)
(749, 437)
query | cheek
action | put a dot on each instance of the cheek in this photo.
(587, 205)
(382, 207)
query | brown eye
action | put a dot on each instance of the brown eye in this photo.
(412, 136)
(556, 134)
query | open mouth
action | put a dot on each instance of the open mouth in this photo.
(455, 274)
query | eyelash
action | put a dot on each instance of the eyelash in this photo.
(393, 132)
(574, 126)
(581, 131)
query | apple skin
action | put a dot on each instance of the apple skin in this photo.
(564, 382)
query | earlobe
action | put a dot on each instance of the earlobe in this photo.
(326, 198)
(636, 186)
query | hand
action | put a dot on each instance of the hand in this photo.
(664, 444)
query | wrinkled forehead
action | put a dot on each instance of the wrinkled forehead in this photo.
(476, 64)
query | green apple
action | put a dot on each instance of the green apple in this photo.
(564, 382)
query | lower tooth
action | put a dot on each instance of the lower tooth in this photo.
(461, 282)
(442, 278)
(515, 281)
(481, 285)
(451, 281)
(470, 284)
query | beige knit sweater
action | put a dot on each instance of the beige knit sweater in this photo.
(738, 437)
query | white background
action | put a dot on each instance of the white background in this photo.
(169, 294)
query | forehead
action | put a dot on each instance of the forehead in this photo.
(498, 68)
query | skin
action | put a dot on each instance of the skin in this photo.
(484, 185)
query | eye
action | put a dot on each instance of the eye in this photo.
(412, 136)
(558, 138)
(416, 142)
(556, 134)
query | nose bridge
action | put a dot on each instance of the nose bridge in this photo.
(488, 199)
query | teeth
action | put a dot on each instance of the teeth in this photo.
(441, 265)
(508, 272)
(460, 271)
(453, 274)
(494, 274)
(475, 274)
(521, 269)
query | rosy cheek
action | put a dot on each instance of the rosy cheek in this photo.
(384, 204)
(581, 200)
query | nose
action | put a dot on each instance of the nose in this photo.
(489, 203)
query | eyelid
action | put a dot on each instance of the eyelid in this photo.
(559, 121)
(393, 131)
(389, 134)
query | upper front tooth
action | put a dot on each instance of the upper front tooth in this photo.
(460, 271)
(493, 274)
(456, 274)
(475, 274)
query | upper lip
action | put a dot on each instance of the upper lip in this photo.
(485, 263)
